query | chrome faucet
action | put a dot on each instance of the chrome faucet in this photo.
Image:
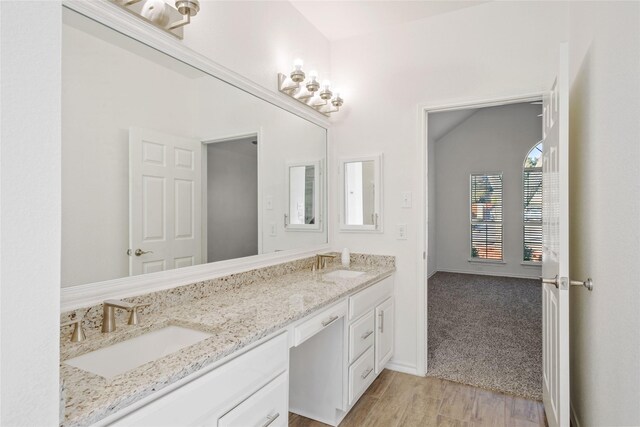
(109, 318)
(321, 261)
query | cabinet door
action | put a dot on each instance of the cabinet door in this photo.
(384, 333)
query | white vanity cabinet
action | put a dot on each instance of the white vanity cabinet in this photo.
(250, 387)
(317, 367)
(371, 329)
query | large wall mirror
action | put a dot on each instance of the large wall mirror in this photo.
(165, 166)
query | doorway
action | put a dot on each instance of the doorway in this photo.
(483, 234)
(230, 188)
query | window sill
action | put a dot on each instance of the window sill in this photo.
(486, 261)
(531, 264)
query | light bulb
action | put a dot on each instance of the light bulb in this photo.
(313, 74)
(298, 63)
(326, 84)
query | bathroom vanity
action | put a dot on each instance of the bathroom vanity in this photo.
(274, 340)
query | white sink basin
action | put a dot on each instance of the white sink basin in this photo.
(342, 274)
(126, 355)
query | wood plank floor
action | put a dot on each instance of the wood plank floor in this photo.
(396, 399)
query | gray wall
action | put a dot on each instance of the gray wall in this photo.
(494, 139)
(232, 200)
(605, 212)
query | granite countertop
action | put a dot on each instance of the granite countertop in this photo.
(237, 317)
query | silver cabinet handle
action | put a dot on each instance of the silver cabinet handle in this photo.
(329, 321)
(366, 335)
(270, 419)
(381, 315)
(286, 220)
(375, 220)
(366, 373)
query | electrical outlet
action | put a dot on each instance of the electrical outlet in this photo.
(406, 199)
(401, 231)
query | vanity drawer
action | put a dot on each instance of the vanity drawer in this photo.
(212, 394)
(309, 328)
(361, 374)
(368, 298)
(361, 333)
(266, 407)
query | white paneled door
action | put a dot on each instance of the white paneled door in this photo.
(165, 201)
(555, 247)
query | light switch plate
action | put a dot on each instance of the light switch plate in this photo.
(401, 231)
(268, 203)
(406, 199)
(272, 229)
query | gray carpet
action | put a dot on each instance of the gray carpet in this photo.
(486, 331)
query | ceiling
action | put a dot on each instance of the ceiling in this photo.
(342, 19)
(441, 124)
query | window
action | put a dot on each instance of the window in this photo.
(532, 205)
(486, 217)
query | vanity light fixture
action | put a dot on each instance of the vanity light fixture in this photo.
(307, 90)
(161, 14)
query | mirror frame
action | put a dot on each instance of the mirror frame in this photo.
(118, 19)
(378, 202)
(318, 193)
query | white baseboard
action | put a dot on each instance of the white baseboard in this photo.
(491, 273)
(431, 274)
(574, 417)
(402, 367)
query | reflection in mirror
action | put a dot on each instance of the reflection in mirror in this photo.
(304, 196)
(361, 194)
(165, 166)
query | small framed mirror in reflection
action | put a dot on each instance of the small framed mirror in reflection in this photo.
(303, 210)
(361, 194)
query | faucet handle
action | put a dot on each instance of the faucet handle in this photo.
(133, 317)
(78, 333)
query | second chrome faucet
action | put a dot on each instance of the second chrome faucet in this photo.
(109, 317)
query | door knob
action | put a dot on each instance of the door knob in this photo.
(564, 283)
(138, 252)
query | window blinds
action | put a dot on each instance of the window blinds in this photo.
(486, 216)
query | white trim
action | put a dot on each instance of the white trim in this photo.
(491, 273)
(531, 264)
(486, 261)
(402, 367)
(115, 17)
(429, 276)
(574, 417)
(423, 239)
(74, 297)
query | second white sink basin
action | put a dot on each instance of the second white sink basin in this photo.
(126, 355)
(342, 274)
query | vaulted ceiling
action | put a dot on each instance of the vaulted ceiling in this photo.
(342, 19)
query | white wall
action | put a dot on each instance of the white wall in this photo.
(492, 50)
(605, 212)
(30, 219)
(493, 139)
(232, 199)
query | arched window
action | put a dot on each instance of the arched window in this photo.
(532, 205)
